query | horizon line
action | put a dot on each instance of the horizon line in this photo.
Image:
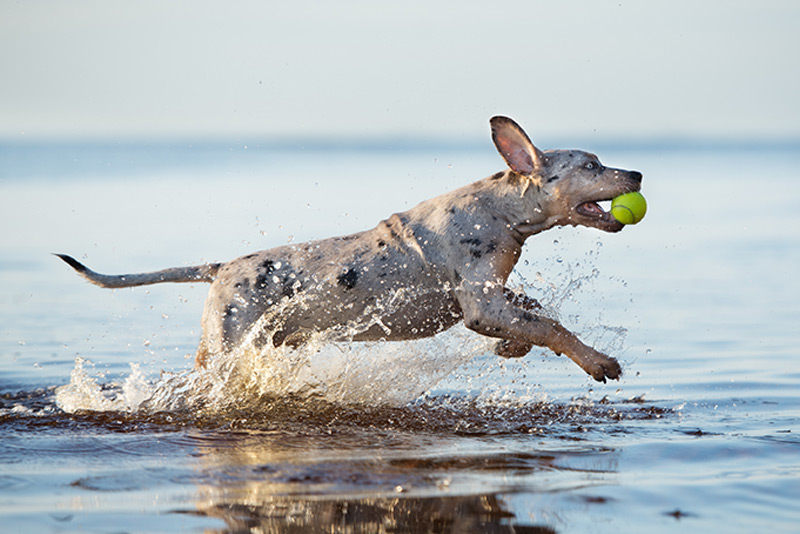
(403, 142)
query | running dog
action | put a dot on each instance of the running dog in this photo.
(416, 273)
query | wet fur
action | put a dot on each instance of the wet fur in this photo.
(419, 272)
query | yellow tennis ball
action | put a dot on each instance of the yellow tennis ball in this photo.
(629, 208)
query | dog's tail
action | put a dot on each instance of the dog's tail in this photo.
(199, 273)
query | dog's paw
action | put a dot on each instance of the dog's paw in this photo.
(603, 367)
(512, 349)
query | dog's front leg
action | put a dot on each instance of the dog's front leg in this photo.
(488, 311)
(508, 348)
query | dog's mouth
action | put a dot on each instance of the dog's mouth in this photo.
(594, 209)
(597, 213)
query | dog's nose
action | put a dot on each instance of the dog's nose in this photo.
(636, 176)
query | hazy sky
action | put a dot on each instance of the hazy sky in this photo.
(617, 68)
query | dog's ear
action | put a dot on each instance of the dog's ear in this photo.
(513, 144)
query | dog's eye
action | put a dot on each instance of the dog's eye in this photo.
(593, 166)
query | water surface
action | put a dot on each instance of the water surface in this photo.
(104, 428)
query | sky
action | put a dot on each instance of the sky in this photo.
(364, 69)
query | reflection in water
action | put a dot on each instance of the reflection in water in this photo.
(462, 514)
(362, 480)
(444, 464)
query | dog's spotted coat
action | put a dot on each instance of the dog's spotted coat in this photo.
(419, 272)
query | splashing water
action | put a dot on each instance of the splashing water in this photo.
(84, 393)
(322, 369)
(376, 373)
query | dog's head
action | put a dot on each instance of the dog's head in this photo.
(567, 184)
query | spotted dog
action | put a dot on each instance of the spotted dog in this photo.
(418, 272)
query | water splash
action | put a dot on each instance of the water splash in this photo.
(332, 371)
(390, 374)
(85, 393)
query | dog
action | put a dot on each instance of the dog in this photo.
(419, 272)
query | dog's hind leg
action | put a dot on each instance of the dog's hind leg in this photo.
(201, 356)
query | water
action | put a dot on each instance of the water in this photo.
(104, 427)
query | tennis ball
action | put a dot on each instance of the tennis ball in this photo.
(629, 208)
